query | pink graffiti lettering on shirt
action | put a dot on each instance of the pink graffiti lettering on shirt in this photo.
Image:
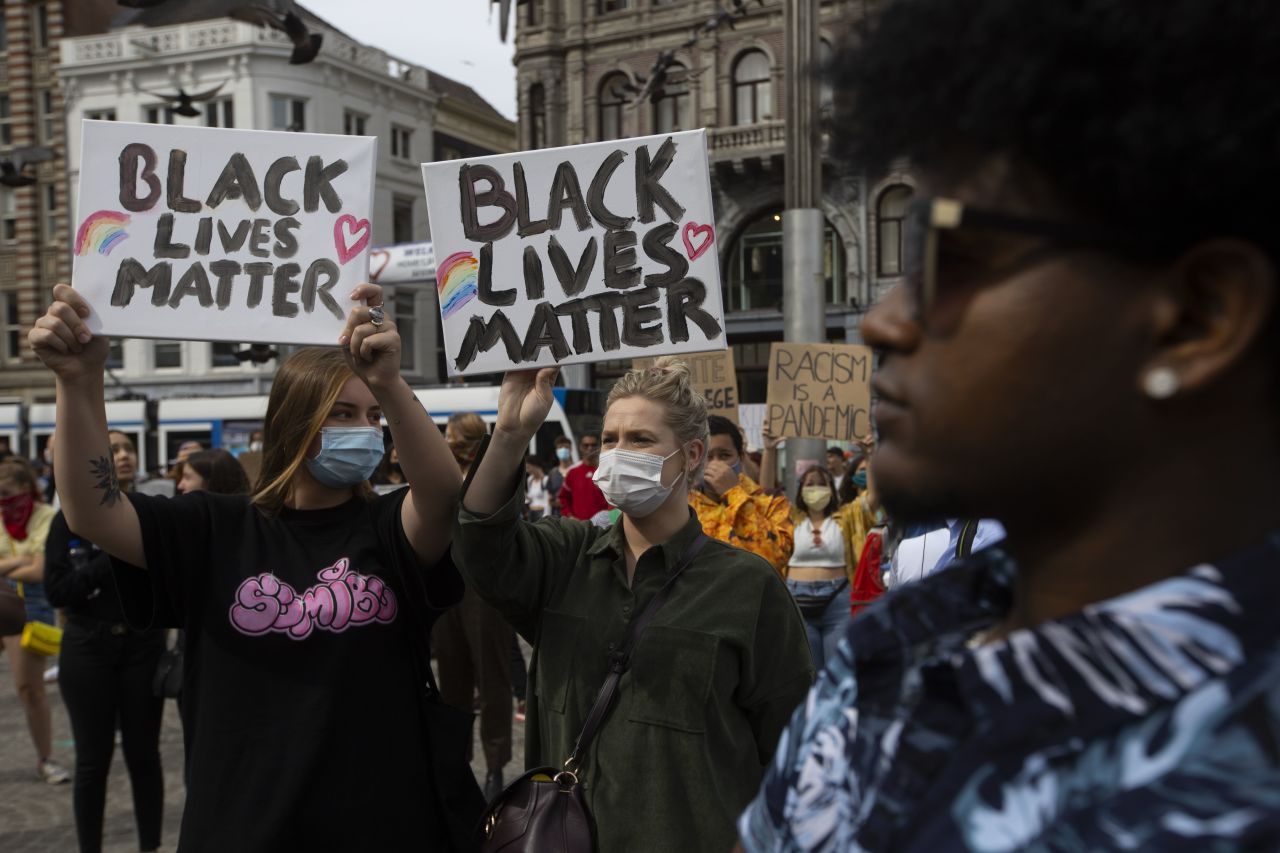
(342, 599)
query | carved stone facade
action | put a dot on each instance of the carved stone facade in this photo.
(33, 219)
(571, 53)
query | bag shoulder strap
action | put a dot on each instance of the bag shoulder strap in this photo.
(620, 659)
(968, 533)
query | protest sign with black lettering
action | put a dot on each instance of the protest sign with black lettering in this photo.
(713, 376)
(569, 255)
(819, 391)
(221, 235)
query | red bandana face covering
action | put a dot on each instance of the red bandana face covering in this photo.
(16, 510)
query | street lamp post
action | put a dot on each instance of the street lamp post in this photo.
(803, 225)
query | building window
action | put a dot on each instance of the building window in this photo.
(40, 26)
(537, 116)
(158, 115)
(613, 98)
(6, 120)
(353, 123)
(4, 36)
(220, 113)
(288, 113)
(401, 219)
(891, 210)
(167, 354)
(826, 92)
(752, 88)
(47, 116)
(50, 218)
(671, 112)
(223, 354)
(100, 115)
(449, 152)
(604, 7)
(8, 215)
(400, 137)
(533, 13)
(12, 330)
(756, 264)
(115, 354)
(407, 324)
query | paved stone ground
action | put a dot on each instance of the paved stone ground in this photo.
(36, 818)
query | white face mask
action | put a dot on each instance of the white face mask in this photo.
(632, 480)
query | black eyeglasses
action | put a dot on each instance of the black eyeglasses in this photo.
(928, 218)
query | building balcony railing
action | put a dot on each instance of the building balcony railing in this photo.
(728, 141)
(146, 44)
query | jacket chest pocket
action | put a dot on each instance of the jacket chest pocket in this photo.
(559, 639)
(670, 678)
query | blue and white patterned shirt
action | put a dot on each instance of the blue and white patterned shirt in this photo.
(1149, 721)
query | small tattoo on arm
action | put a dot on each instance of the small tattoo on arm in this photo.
(105, 472)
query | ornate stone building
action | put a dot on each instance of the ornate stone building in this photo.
(417, 114)
(579, 63)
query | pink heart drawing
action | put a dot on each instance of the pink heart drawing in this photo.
(378, 260)
(348, 251)
(692, 231)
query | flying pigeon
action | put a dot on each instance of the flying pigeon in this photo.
(13, 164)
(184, 104)
(306, 44)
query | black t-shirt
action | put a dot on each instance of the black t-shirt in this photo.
(79, 581)
(301, 707)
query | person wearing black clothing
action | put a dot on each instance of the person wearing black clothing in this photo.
(105, 671)
(306, 606)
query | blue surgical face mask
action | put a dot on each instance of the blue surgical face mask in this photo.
(860, 479)
(737, 468)
(564, 454)
(348, 456)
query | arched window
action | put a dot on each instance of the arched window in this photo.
(752, 88)
(537, 116)
(891, 210)
(755, 265)
(673, 110)
(613, 98)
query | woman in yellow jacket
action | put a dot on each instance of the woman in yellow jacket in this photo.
(828, 543)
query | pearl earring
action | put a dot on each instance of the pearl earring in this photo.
(1160, 383)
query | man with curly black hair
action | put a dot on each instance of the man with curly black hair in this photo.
(1086, 347)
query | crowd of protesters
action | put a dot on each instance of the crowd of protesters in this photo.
(999, 624)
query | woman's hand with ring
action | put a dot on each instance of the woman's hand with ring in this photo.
(371, 338)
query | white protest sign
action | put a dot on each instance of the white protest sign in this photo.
(578, 254)
(221, 235)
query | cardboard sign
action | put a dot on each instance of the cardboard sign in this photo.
(819, 391)
(714, 377)
(578, 254)
(221, 235)
(404, 263)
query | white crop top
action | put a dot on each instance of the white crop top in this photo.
(829, 554)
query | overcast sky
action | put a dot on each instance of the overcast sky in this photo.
(458, 38)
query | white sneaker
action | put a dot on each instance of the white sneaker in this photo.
(53, 773)
(51, 675)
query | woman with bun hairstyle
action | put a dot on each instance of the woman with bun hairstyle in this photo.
(712, 679)
(305, 605)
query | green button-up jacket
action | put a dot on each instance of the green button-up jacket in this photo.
(713, 680)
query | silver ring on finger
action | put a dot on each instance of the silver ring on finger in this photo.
(376, 315)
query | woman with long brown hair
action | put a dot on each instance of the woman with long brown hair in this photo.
(305, 604)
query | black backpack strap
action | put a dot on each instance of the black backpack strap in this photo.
(620, 659)
(968, 532)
